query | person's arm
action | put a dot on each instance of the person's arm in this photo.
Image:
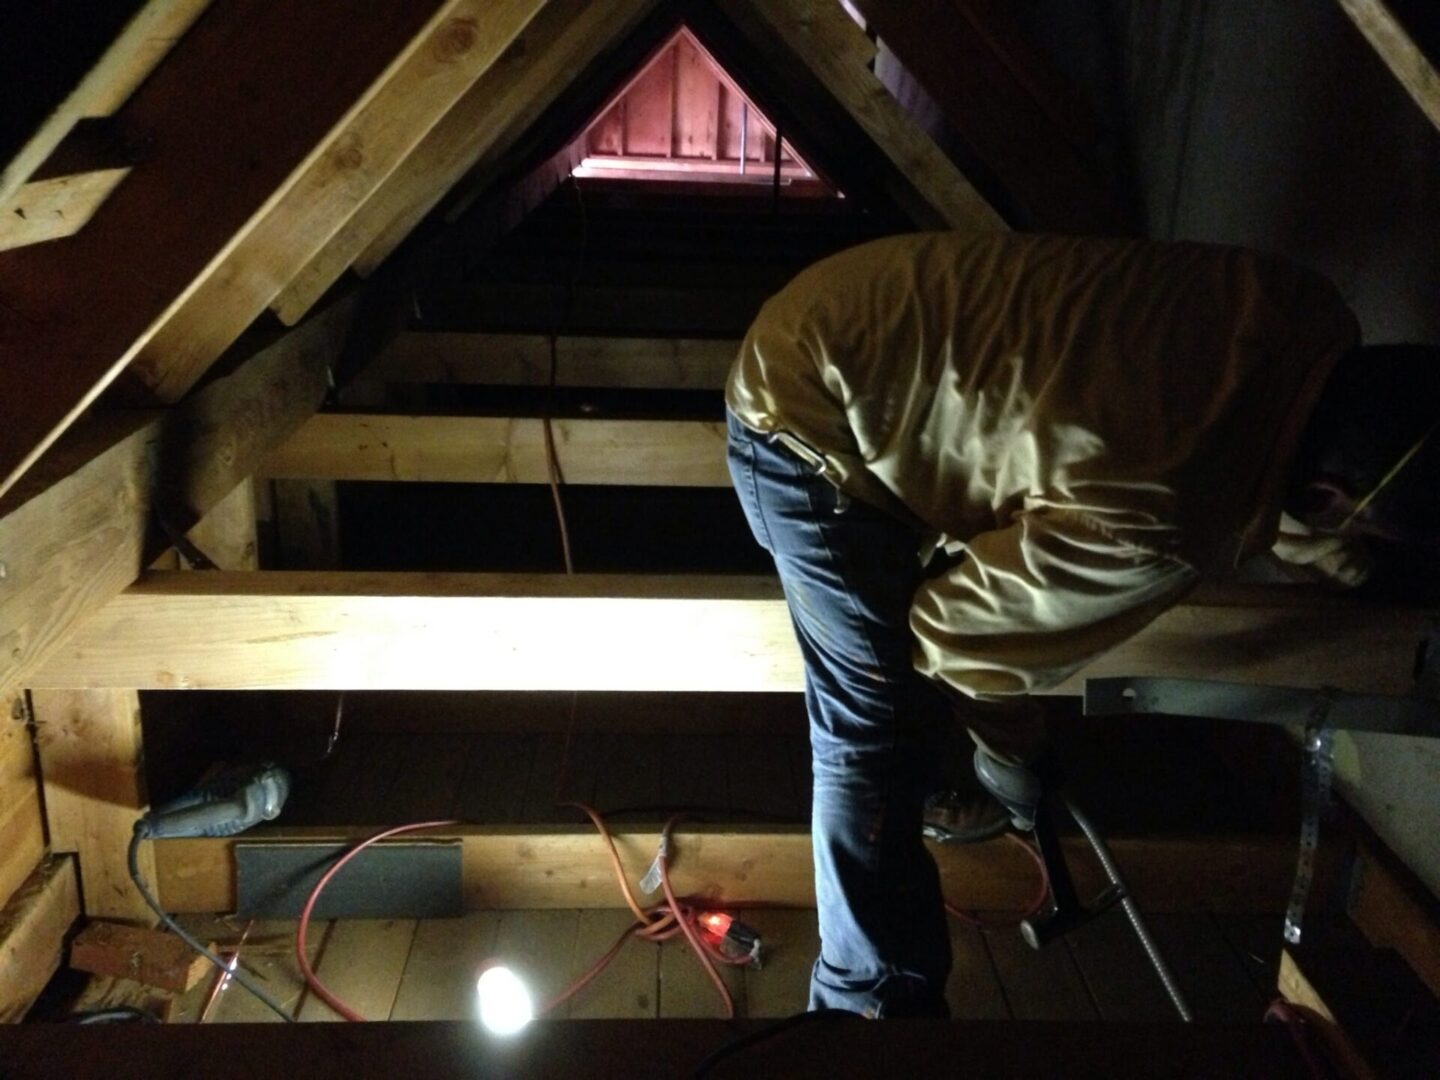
(1032, 603)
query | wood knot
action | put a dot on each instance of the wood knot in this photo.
(456, 38)
(348, 153)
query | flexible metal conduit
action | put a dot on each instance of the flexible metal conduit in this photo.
(1132, 912)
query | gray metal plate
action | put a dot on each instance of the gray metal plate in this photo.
(401, 880)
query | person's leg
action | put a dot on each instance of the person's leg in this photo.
(849, 572)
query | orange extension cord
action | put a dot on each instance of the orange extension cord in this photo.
(657, 923)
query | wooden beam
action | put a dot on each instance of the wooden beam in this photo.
(499, 450)
(145, 956)
(420, 356)
(55, 208)
(236, 108)
(951, 47)
(682, 307)
(461, 40)
(814, 32)
(33, 926)
(80, 528)
(1394, 911)
(1400, 50)
(226, 534)
(307, 524)
(483, 125)
(22, 828)
(1297, 989)
(636, 1047)
(149, 35)
(555, 866)
(92, 761)
(368, 631)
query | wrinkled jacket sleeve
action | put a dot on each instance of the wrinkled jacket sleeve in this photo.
(1032, 603)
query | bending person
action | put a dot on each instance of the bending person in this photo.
(979, 462)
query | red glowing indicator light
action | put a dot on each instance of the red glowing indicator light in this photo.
(717, 922)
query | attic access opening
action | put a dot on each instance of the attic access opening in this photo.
(681, 119)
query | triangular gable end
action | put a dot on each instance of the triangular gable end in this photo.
(682, 118)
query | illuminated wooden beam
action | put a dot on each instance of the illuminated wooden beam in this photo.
(407, 631)
(56, 207)
(556, 866)
(824, 39)
(494, 450)
(1400, 50)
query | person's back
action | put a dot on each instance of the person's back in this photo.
(1160, 387)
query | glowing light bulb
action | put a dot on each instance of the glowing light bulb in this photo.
(505, 1002)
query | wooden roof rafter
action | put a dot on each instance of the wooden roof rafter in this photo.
(161, 295)
(482, 126)
(141, 45)
(1406, 36)
(190, 249)
(1012, 110)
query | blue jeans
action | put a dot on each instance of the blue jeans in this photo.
(849, 572)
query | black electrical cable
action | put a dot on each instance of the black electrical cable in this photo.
(751, 1038)
(184, 935)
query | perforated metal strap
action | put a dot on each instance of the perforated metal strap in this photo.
(1317, 772)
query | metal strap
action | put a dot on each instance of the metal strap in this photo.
(1317, 772)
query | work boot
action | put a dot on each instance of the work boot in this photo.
(1018, 788)
(963, 817)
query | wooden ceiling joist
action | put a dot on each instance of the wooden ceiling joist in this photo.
(540, 866)
(501, 450)
(525, 360)
(409, 631)
(484, 122)
(220, 144)
(79, 529)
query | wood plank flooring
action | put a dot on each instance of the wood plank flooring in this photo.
(417, 970)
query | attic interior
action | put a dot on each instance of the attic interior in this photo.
(379, 435)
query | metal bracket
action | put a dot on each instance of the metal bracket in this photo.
(1382, 713)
